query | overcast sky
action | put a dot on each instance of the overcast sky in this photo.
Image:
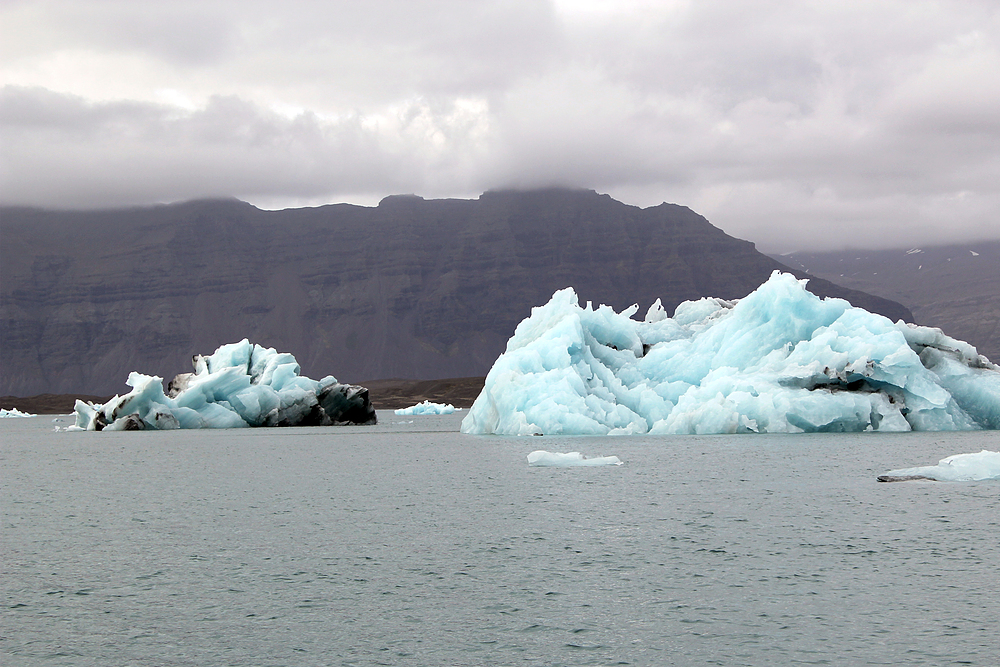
(796, 125)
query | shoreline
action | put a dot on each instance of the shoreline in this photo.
(389, 394)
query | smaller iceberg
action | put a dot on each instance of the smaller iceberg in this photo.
(427, 408)
(957, 468)
(241, 384)
(14, 412)
(544, 459)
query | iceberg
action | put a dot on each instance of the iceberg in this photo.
(14, 412)
(239, 385)
(427, 408)
(780, 360)
(958, 468)
(544, 459)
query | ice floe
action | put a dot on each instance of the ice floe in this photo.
(780, 360)
(957, 468)
(544, 459)
(241, 384)
(14, 412)
(427, 408)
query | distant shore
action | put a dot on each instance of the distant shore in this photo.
(395, 393)
(384, 394)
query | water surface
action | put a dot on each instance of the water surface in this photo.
(409, 543)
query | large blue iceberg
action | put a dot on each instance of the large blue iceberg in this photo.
(241, 384)
(780, 360)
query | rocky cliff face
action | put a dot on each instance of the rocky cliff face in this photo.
(954, 287)
(410, 288)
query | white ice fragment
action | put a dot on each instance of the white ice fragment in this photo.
(14, 412)
(542, 458)
(780, 360)
(427, 408)
(957, 468)
(656, 312)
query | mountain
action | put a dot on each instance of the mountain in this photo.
(955, 288)
(412, 288)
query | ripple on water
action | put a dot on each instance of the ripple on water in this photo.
(325, 546)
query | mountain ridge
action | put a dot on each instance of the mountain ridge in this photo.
(416, 288)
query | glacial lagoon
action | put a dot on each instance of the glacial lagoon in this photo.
(409, 543)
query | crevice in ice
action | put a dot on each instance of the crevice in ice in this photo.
(860, 385)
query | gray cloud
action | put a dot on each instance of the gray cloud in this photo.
(795, 125)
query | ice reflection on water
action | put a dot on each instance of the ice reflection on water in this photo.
(411, 544)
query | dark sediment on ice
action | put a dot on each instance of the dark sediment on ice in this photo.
(903, 478)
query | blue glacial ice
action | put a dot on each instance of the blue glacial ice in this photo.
(780, 360)
(544, 459)
(427, 408)
(241, 384)
(958, 468)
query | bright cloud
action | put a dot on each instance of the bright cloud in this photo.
(795, 125)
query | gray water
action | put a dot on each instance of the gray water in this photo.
(412, 544)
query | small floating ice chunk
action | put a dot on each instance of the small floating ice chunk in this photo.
(14, 412)
(543, 459)
(957, 468)
(427, 408)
